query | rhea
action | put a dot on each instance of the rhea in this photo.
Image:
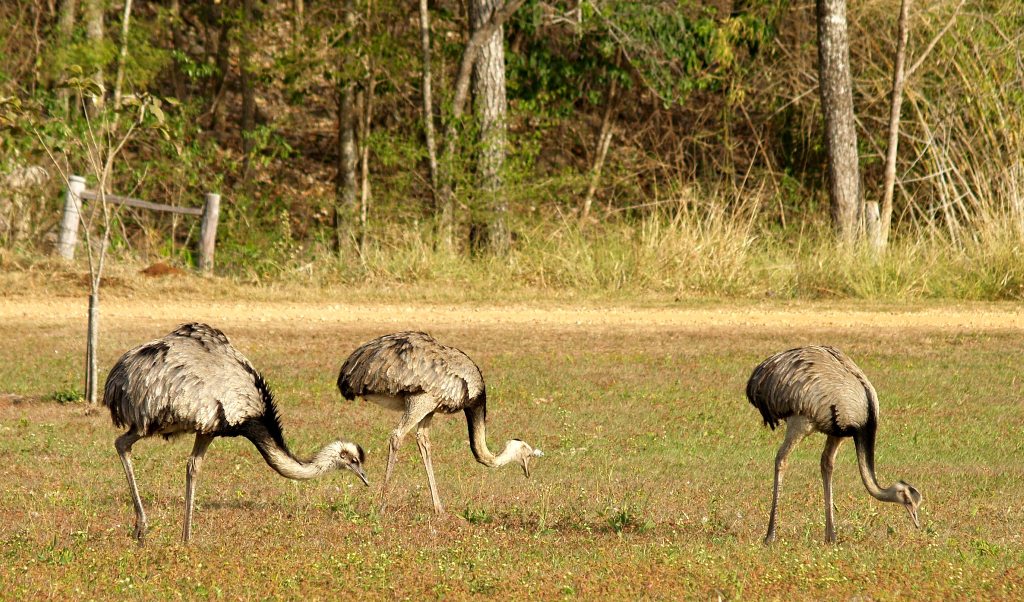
(194, 381)
(412, 373)
(820, 389)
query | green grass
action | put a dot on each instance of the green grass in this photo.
(655, 483)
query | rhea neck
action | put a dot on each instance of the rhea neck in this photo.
(865, 442)
(476, 420)
(275, 451)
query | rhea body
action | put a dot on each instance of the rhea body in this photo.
(820, 389)
(193, 381)
(412, 373)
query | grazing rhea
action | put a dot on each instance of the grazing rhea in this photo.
(821, 389)
(414, 374)
(194, 381)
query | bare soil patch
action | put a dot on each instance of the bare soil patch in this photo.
(764, 318)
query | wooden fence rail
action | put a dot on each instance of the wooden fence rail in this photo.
(76, 193)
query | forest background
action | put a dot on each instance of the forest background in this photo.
(600, 147)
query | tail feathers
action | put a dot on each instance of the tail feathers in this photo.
(759, 402)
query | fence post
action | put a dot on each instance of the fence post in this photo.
(68, 237)
(208, 231)
(873, 226)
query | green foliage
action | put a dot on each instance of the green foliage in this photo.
(67, 395)
(627, 516)
(476, 516)
(678, 51)
(706, 101)
(87, 55)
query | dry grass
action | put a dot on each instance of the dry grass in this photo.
(655, 484)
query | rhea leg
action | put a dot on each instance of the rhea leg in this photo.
(124, 444)
(195, 461)
(423, 441)
(828, 461)
(796, 429)
(417, 408)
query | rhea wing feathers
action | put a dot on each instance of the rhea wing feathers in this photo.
(818, 382)
(408, 363)
(192, 376)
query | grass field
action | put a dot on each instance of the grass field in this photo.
(655, 484)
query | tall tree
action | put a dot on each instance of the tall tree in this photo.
(66, 27)
(604, 141)
(346, 184)
(93, 13)
(491, 107)
(836, 89)
(122, 57)
(428, 102)
(298, 19)
(889, 182)
(220, 19)
(247, 120)
(179, 45)
(477, 38)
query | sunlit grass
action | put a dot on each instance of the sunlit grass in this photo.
(655, 483)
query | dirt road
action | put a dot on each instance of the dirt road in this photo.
(733, 317)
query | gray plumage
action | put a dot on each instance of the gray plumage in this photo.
(410, 363)
(193, 381)
(820, 389)
(412, 373)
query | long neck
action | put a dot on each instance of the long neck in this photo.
(281, 459)
(865, 442)
(476, 419)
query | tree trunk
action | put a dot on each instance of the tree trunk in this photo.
(491, 111)
(93, 13)
(178, 40)
(446, 162)
(604, 141)
(245, 72)
(346, 186)
(365, 121)
(66, 27)
(122, 57)
(836, 90)
(222, 61)
(428, 103)
(889, 182)
(298, 19)
(364, 162)
(92, 348)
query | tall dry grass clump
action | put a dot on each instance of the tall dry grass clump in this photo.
(685, 245)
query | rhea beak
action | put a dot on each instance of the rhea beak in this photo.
(356, 468)
(526, 461)
(913, 516)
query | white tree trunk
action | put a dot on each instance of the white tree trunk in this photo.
(122, 57)
(836, 88)
(428, 100)
(889, 182)
(93, 12)
(491, 110)
(66, 26)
